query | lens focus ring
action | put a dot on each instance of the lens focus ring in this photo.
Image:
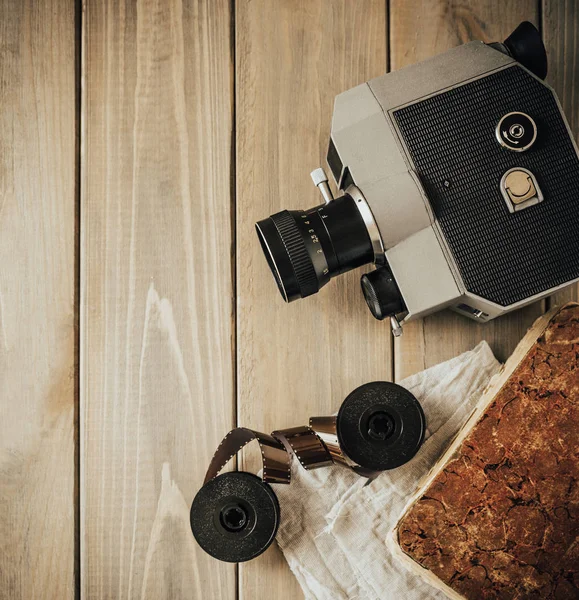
(297, 252)
(304, 249)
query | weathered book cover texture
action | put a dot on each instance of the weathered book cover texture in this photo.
(498, 517)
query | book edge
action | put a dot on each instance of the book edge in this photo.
(493, 388)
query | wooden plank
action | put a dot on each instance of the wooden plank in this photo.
(560, 28)
(157, 333)
(37, 283)
(420, 29)
(302, 359)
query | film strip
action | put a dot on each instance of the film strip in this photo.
(235, 515)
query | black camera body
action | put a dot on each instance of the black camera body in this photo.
(459, 179)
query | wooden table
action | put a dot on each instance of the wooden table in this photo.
(140, 140)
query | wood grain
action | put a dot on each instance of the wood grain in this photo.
(420, 29)
(37, 324)
(301, 359)
(560, 28)
(166, 242)
(157, 344)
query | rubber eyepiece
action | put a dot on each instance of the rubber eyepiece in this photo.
(526, 46)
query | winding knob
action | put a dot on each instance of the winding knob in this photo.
(381, 293)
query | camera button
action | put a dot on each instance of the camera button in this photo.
(516, 131)
(520, 189)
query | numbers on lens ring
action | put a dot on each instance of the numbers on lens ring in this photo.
(320, 251)
(315, 239)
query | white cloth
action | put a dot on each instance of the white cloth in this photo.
(335, 524)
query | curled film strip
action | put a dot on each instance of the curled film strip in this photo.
(235, 515)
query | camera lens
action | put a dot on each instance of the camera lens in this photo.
(305, 248)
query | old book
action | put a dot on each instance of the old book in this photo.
(498, 516)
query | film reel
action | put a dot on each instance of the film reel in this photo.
(235, 516)
(380, 426)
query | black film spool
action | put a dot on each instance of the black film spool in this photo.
(380, 426)
(235, 516)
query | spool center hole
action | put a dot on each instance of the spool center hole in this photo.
(380, 426)
(233, 518)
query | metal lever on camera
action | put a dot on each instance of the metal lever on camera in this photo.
(320, 180)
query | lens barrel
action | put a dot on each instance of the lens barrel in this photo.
(306, 248)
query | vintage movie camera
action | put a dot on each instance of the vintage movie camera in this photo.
(458, 179)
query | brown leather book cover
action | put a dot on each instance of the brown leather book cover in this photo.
(498, 516)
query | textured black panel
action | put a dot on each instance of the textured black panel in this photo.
(501, 256)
